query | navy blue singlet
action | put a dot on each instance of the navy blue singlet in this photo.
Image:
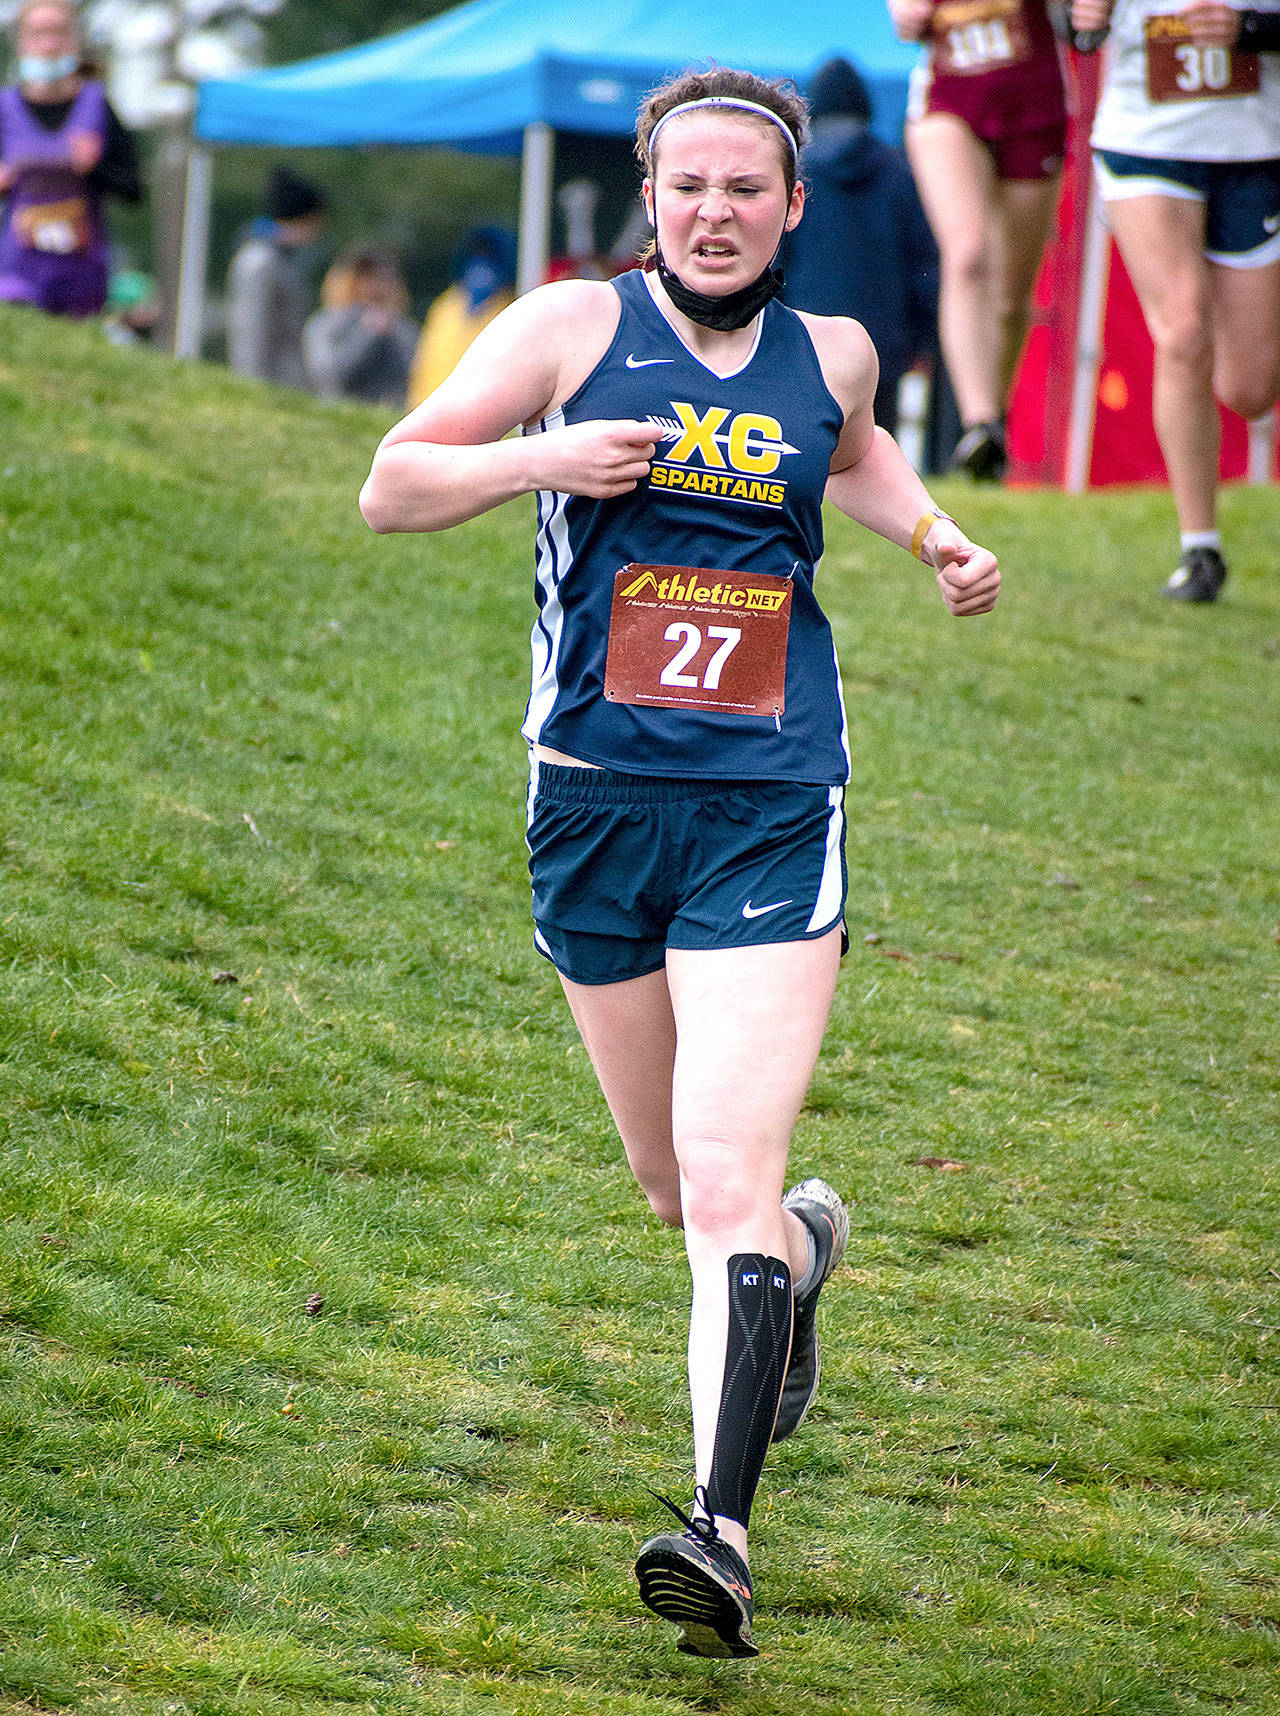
(736, 483)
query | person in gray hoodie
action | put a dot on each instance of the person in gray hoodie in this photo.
(268, 293)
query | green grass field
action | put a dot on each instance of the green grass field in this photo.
(337, 1354)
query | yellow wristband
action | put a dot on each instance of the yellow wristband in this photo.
(924, 524)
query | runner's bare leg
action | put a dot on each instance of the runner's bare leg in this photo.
(629, 1032)
(1024, 218)
(750, 1023)
(956, 179)
(1246, 336)
(1162, 242)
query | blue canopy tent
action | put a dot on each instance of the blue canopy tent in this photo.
(502, 76)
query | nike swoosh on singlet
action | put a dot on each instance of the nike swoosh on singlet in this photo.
(750, 911)
(633, 362)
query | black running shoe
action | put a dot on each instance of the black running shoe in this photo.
(981, 454)
(823, 1213)
(700, 1584)
(1200, 574)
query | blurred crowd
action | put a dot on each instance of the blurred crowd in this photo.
(361, 343)
(934, 247)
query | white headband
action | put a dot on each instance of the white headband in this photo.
(731, 101)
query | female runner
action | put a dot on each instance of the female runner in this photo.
(986, 132)
(1187, 152)
(687, 736)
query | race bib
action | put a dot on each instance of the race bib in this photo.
(56, 229)
(683, 638)
(972, 36)
(1178, 70)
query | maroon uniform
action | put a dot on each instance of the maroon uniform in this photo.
(995, 64)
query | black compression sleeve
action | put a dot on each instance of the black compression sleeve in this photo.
(755, 1363)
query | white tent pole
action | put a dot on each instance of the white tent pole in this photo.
(535, 204)
(189, 316)
(1089, 314)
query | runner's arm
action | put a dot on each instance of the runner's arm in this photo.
(872, 482)
(450, 460)
(880, 490)
(118, 174)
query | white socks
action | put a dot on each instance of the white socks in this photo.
(1201, 539)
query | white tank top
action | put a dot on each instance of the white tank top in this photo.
(1164, 97)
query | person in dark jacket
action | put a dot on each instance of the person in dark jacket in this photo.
(864, 248)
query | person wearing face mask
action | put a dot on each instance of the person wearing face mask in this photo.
(62, 151)
(484, 279)
(688, 750)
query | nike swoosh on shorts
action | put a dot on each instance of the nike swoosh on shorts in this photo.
(634, 362)
(750, 911)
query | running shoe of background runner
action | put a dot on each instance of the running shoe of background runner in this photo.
(980, 454)
(700, 1584)
(822, 1211)
(1200, 574)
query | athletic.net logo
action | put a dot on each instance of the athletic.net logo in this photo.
(678, 586)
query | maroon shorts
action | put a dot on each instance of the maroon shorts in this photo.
(995, 65)
(1037, 155)
(1016, 152)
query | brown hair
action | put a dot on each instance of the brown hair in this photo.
(779, 95)
(355, 266)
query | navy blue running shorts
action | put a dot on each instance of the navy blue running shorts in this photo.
(625, 867)
(1241, 199)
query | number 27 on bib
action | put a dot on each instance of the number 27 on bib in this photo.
(682, 637)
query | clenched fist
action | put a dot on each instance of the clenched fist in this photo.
(968, 576)
(601, 459)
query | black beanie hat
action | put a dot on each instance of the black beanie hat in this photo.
(837, 87)
(287, 195)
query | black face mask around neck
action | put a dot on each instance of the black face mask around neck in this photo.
(725, 314)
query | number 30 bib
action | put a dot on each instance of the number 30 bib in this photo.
(684, 638)
(1178, 70)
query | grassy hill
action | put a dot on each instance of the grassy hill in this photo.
(336, 1353)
